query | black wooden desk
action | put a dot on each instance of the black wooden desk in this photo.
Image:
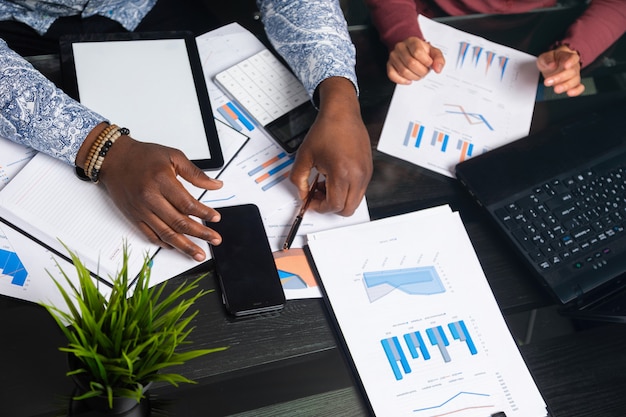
(289, 363)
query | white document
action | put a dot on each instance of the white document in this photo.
(27, 271)
(13, 157)
(420, 321)
(483, 99)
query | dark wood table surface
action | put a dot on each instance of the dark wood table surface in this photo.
(291, 363)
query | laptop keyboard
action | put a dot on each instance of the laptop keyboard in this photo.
(570, 220)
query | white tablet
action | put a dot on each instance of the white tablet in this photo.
(151, 83)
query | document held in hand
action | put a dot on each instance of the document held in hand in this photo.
(419, 320)
(483, 98)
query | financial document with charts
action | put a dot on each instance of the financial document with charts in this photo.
(419, 320)
(483, 99)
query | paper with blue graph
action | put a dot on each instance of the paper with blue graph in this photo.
(420, 321)
(483, 99)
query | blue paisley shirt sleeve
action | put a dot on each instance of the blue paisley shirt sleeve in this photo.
(41, 14)
(129, 13)
(34, 112)
(312, 36)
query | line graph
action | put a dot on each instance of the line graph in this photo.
(471, 117)
(459, 395)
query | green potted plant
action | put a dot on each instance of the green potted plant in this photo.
(120, 344)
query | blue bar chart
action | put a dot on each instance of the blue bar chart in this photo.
(272, 171)
(396, 357)
(440, 140)
(419, 344)
(414, 134)
(460, 148)
(236, 117)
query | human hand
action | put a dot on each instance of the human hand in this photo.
(141, 179)
(561, 70)
(412, 59)
(338, 146)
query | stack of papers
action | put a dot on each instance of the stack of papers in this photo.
(419, 319)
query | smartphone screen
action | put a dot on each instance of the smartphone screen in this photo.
(244, 262)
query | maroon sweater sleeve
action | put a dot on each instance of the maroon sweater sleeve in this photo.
(597, 29)
(395, 20)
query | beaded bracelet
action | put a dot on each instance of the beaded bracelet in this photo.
(96, 148)
(96, 143)
(99, 150)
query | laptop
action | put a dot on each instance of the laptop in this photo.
(559, 198)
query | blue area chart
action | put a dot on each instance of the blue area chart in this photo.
(12, 267)
(419, 280)
(291, 281)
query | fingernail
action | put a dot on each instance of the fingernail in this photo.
(199, 257)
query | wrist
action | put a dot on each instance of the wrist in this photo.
(337, 95)
(98, 150)
(81, 156)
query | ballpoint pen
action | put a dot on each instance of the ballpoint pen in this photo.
(296, 223)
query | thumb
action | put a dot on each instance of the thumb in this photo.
(546, 61)
(299, 176)
(438, 60)
(194, 175)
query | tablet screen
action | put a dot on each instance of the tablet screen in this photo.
(152, 85)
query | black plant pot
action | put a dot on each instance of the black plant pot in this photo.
(99, 405)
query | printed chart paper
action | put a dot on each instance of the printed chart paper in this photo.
(483, 99)
(420, 321)
(13, 157)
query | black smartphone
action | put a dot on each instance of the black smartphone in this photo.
(244, 262)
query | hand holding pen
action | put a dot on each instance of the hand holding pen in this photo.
(298, 220)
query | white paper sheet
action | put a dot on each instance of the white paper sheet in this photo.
(13, 157)
(27, 269)
(483, 99)
(420, 321)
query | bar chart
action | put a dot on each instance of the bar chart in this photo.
(418, 345)
(236, 117)
(456, 146)
(272, 170)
